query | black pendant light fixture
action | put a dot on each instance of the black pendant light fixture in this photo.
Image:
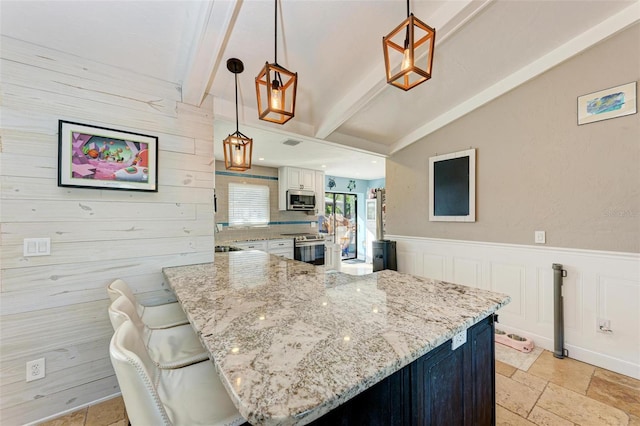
(276, 88)
(408, 52)
(237, 147)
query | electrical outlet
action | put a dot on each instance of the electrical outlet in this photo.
(35, 369)
(604, 326)
(458, 340)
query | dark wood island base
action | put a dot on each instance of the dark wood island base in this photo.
(441, 388)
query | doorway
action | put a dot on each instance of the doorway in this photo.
(341, 212)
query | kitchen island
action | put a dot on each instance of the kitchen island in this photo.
(294, 345)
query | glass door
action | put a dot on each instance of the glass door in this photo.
(341, 214)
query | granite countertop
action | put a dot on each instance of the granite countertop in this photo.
(292, 342)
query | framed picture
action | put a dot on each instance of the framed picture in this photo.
(97, 157)
(609, 103)
(452, 187)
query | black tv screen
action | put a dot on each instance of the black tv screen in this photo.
(451, 187)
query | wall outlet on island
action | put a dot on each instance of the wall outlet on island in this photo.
(458, 340)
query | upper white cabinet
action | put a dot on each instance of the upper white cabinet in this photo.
(299, 178)
(295, 178)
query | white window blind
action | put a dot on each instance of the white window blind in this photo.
(248, 205)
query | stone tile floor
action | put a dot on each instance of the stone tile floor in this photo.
(531, 389)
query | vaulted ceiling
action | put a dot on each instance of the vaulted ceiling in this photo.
(484, 48)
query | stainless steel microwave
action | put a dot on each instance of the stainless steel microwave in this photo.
(300, 200)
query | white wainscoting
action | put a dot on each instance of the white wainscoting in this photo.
(598, 285)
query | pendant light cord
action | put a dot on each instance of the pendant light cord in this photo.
(275, 39)
(237, 128)
(408, 9)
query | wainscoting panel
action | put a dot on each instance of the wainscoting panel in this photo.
(509, 279)
(544, 296)
(434, 266)
(467, 271)
(572, 294)
(599, 285)
(618, 301)
(407, 262)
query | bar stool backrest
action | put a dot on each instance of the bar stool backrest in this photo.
(136, 375)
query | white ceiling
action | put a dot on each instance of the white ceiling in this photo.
(484, 48)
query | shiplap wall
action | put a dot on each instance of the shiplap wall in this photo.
(56, 306)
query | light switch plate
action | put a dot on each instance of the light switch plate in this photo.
(540, 237)
(37, 247)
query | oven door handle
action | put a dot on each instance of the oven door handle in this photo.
(308, 243)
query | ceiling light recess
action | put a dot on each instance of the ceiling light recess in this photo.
(238, 148)
(408, 52)
(276, 88)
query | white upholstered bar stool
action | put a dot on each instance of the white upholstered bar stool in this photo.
(173, 347)
(160, 316)
(189, 396)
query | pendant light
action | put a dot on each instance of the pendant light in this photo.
(408, 52)
(276, 88)
(237, 147)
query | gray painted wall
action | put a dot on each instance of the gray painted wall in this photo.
(536, 168)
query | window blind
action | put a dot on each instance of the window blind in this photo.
(248, 205)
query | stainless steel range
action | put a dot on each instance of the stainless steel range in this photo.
(308, 248)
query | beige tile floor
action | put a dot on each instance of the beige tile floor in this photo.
(549, 392)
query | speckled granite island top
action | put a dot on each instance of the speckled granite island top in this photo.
(292, 342)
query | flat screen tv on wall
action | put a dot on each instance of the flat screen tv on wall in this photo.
(452, 187)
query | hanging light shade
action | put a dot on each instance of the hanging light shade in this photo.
(276, 88)
(238, 148)
(408, 52)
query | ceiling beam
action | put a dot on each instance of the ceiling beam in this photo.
(215, 20)
(248, 117)
(447, 20)
(589, 38)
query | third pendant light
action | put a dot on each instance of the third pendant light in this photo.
(276, 87)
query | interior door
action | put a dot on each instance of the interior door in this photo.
(341, 210)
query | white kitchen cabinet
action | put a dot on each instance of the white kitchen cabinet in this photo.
(251, 245)
(294, 178)
(300, 178)
(319, 192)
(282, 248)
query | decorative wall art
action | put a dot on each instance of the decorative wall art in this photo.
(332, 183)
(609, 103)
(452, 187)
(98, 157)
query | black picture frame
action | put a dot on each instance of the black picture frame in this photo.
(102, 158)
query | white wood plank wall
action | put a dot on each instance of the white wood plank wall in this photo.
(56, 306)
